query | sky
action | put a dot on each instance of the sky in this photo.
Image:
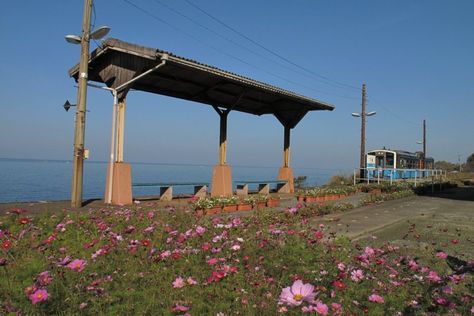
(415, 57)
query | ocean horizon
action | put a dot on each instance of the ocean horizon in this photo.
(32, 180)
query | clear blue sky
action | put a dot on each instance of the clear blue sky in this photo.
(416, 58)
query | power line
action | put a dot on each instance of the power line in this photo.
(154, 16)
(327, 79)
(241, 46)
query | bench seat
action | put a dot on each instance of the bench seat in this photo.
(263, 186)
(166, 188)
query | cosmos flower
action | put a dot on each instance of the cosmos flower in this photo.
(77, 265)
(38, 296)
(178, 283)
(297, 293)
(376, 298)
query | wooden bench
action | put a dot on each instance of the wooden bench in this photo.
(263, 186)
(166, 189)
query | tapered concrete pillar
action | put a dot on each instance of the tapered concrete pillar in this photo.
(285, 172)
(118, 186)
(222, 173)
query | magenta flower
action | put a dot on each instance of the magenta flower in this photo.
(369, 252)
(433, 276)
(77, 265)
(178, 283)
(321, 308)
(376, 298)
(441, 255)
(297, 293)
(357, 275)
(44, 278)
(38, 296)
(200, 230)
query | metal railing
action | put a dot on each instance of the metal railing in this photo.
(396, 175)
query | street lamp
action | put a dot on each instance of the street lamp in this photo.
(362, 115)
(80, 121)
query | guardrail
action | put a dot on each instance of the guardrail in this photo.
(396, 175)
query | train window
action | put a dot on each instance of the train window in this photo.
(389, 160)
(380, 162)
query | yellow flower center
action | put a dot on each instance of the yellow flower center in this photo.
(298, 297)
(39, 296)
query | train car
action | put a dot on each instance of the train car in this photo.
(397, 164)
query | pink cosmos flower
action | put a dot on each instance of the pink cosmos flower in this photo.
(369, 252)
(433, 276)
(357, 275)
(441, 255)
(200, 230)
(292, 210)
(178, 283)
(297, 293)
(180, 308)
(376, 298)
(413, 265)
(77, 265)
(321, 308)
(212, 261)
(472, 310)
(44, 278)
(336, 306)
(235, 247)
(191, 281)
(38, 296)
(341, 266)
(165, 254)
(236, 221)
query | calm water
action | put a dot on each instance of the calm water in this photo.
(46, 180)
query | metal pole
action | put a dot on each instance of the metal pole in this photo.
(362, 134)
(108, 195)
(286, 147)
(80, 120)
(424, 144)
(354, 176)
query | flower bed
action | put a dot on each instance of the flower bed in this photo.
(323, 194)
(214, 205)
(145, 261)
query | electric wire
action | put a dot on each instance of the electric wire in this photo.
(327, 79)
(154, 16)
(244, 47)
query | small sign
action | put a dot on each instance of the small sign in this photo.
(370, 161)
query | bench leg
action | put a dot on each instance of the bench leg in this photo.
(200, 191)
(166, 193)
(263, 188)
(283, 188)
(242, 189)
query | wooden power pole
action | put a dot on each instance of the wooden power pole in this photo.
(80, 119)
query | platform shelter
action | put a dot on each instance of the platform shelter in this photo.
(124, 67)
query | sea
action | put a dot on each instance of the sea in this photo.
(27, 180)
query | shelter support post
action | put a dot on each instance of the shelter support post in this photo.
(286, 172)
(118, 187)
(222, 173)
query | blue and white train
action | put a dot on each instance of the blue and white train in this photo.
(397, 164)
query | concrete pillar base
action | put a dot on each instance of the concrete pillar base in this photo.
(286, 173)
(221, 181)
(121, 185)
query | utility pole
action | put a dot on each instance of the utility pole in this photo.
(362, 134)
(424, 144)
(80, 119)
